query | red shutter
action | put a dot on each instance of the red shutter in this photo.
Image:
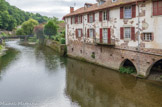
(88, 18)
(88, 33)
(76, 19)
(76, 32)
(100, 35)
(155, 8)
(100, 16)
(81, 18)
(109, 36)
(133, 33)
(108, 16)
(71, 20)
(121, 12)
(121, 33)
(133, 11)
(93, 17)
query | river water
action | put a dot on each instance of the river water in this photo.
(36, 76)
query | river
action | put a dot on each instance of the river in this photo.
(36, 76)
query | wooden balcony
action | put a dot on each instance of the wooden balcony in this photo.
(104, 42)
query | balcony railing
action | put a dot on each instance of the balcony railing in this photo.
(104, 42)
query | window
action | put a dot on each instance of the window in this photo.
(105, 15)
(79, 32)
(147, 36)
(91, 33)
(73, 20)
(91, 18)
(101, 2)
(127, 33)
(128, 12)
(79, 19)
(157, 8)
(114, 0)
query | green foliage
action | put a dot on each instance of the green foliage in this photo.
(3, 34)
(93, 55)
(127, 70)
(62, 41)
(1, 47)
(28, 26)
(20, 32)
(11, 16)
(50, 29)
(32, 39)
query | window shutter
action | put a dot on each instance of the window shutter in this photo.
(88, 18)
(100, 35)
(142, 36)
(93, 17)
(100, 16)
(121, 33)
(76, 19)
(76, 32)
(133, 11)
(81, 18)
(109, 36)
(121, 12)
(108, 14)
(88, 33)
(155, 8)
(93, 33)
(133, 33)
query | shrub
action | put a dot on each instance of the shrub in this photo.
(93, 55)
(1, 47)
(32, 39)
(62, 41)
(58, 38)
(127, 70)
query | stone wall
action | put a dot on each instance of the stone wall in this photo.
(113, 57)
(56, 46)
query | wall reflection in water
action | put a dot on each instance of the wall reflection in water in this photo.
(94, 86)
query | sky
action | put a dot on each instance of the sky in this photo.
(50, 8)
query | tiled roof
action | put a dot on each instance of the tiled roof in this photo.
(107, 4)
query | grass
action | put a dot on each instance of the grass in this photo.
(127, 70)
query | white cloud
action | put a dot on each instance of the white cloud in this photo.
(57, 8)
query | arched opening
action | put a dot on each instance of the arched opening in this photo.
(128, 67)
(156, 71)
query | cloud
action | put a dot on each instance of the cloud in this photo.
(50, 8)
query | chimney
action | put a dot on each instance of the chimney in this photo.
(71, 9)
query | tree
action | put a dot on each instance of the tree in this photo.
(20, 32)
(11, 16)
(50, 29)
(3, 5)
(0, 21)
(28, 26)
(39, 32)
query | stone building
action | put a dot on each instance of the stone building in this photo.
(113, 33)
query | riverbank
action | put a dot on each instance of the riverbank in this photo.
(2, 50)
(60, 48)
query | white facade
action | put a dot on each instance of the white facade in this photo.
(148, 24)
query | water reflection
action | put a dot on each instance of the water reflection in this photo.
(35, 77)
(39, 75)
(93, 86)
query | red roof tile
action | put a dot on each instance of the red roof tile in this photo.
(96, 7)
